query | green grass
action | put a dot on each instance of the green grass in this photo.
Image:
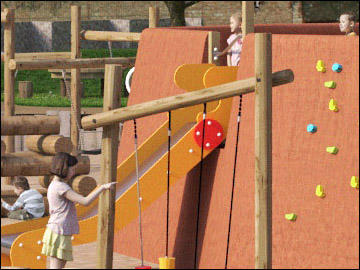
(47, 90)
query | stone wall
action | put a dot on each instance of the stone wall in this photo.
(56, 36)
(212, 12)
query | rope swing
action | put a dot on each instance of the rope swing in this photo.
(199, 196)
(233, 183)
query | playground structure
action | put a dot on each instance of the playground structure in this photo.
(153, 131)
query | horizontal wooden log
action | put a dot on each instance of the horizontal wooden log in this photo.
(3, 147)
(110, 36)
(30, 125)
(34, 164)
(4, 16)
(180, 101)
(83, 184)
(40, 55)
(48, 144)
(8, 193)
(126, 62)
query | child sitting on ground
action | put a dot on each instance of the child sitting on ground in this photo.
(63, 222)
(235, 41)
(30, 200)
(347, 23)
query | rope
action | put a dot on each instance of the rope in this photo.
(138, 194)
(199, 196)
(110, 48)
(168, 189)
(233, 183)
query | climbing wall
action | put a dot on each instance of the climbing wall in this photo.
(325, 233)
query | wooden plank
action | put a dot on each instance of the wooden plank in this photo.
(154, 17)
(14, 64)
(263, 150)
(248, 11)
(181, 101)
(75, 113)
(110, 144)
(4, 16)
(40, 55)
(30, 125)
(9, 76)
(110, 36)
(213, 41)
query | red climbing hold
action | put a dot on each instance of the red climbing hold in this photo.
(214, 134)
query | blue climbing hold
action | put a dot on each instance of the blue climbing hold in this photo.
(337, 67)
(311, 128)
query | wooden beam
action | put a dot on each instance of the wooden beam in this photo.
(34, 164)
(30, 125)
(4, 16)
(248, 12)
(154, 17)
(109, 149)
(3, 147)
(263, 151)
(9, 76)
(75, 94)
(110, 36)
(181, 101)
(40, 55)
(126, 62)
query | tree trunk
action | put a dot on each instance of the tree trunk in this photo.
(177, 12)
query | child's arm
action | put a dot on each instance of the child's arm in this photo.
(18, 204)
(229, 60)
(230, 45)
(77, 198)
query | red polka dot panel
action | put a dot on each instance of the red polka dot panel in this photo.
(214, 134)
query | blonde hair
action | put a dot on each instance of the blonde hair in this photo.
(237, 15)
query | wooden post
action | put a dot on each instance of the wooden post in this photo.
(9, 76)
(154, 17)
(110, 144)
(75, 78)
(25, 89)
(263, 151)
(213, 41)
(248, 12)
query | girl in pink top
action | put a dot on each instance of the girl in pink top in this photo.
(235, 41)
(63, 222)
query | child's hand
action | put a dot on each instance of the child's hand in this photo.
(109, 185)
(2, 200)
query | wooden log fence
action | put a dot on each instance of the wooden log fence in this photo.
(34, 164)
(126, 62)
(110, 36)
(181, 101)
(48, 144)
(40, 55)
(30, 125)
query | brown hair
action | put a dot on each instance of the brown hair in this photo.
(21, 182)
(61, 162)
(352, 16)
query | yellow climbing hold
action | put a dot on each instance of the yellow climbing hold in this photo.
(354, 181)
(320, 191)
(333, 105)
(320, 66)
(330, 84)
(332, 149)
(291, 216)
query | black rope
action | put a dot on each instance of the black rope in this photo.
(168, 189)
(233, 184)
(199, 197)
